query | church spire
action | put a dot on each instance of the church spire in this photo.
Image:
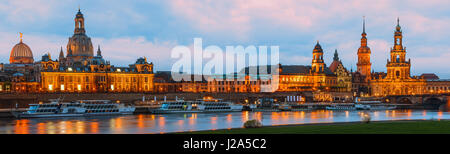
(99, 52)
(61, 53)
(363, 65)
(364, 25)
(398, 28)
(336, 56)
(363, 34)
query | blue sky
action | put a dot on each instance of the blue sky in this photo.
(127, 30)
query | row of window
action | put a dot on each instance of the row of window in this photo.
(240, 82)
(98, 78)
(100, 111)
(438, 88)
(218, 108)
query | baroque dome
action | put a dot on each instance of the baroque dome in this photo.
(364, 49)
(21, 54)
(318, 48)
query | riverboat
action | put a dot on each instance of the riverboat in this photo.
(203, 105)
(77, 108)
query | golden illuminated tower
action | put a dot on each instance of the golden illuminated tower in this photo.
(317, 65)
(397, 66)
(364, 52)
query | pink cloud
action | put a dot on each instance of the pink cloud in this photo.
(236, 15)
(28, 10)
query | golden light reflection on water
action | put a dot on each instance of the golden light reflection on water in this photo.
(66, 127)
(41, 128)
(192, 119)
(275, 116)
(80, 127)
(94, 127)
(161, 123)
(50, 127)
(258, 115)
(245, 116)
(140, 122)
(284, 116)
(21, 127)
(229, 118)
(118, 123)
(313, 115)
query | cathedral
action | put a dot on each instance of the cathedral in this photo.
(397, 80)
(79, 70)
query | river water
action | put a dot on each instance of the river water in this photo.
(164, 123)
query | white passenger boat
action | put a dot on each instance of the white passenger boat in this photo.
(341, 107)
(77, 108)
(373, 105)
(362, 105)
(211, 105)
(382, 107)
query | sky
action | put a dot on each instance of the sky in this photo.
(127, 30)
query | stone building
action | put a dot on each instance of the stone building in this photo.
(361, 77)
(18, 74)
(79, 71)
(344, 77)
(398, 80)
(308, 78)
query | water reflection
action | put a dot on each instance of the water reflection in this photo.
(198, 121)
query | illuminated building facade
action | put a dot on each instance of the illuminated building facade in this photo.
(17, 76)
(238, 83)
(344, 77)
(79, 71)
(360, 78)
(364, 64)
(308, 78)
(398, 80)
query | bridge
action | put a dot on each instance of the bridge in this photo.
(428, 101)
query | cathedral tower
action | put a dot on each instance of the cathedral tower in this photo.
(397, 66)
(364, 65)
(317, 65)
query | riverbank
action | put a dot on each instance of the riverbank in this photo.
(376, 127)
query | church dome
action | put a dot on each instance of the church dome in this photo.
(318, 48)
(21, 54)
(364, 49)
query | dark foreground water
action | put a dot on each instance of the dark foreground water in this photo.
(149, 123)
